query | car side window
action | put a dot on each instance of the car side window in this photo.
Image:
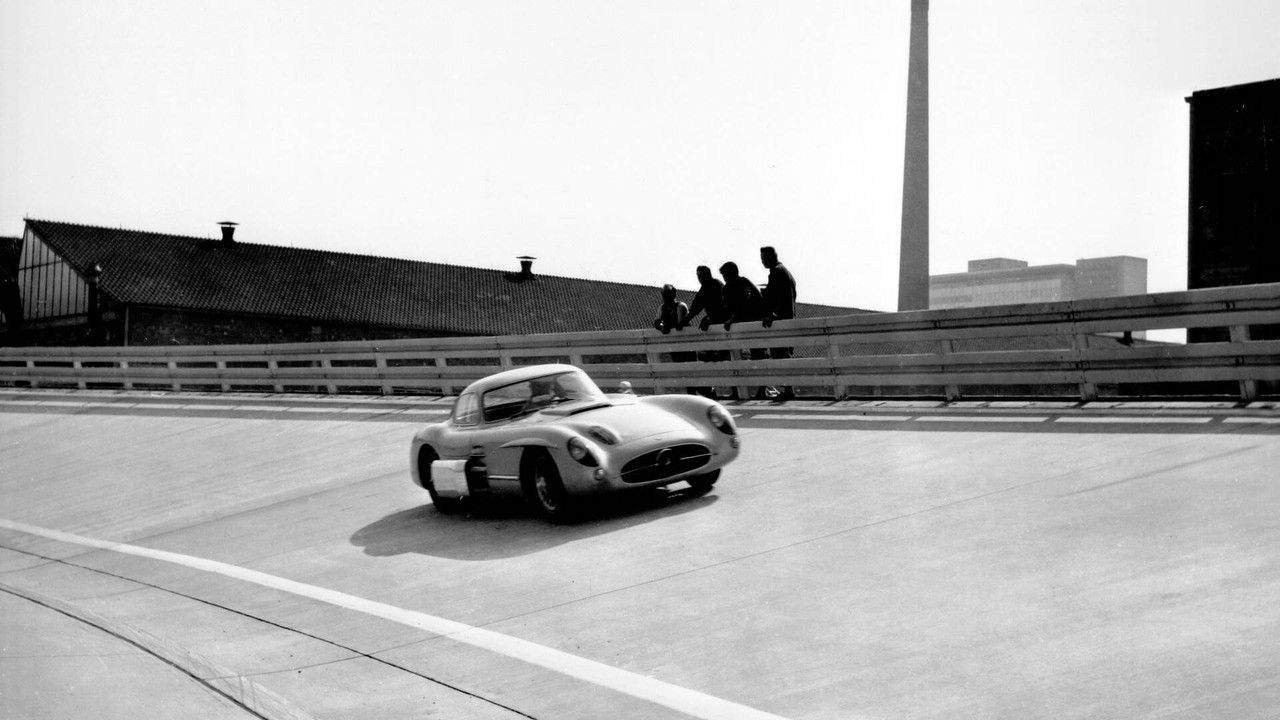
(505, 402)
(467, 411)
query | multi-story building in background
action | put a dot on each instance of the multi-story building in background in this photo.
(1234, 193)
(1002, 281)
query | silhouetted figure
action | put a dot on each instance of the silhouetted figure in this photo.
(672, 313)
(709, 300)
(742, 303)
(779, 304)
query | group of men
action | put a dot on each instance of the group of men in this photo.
(734, 300)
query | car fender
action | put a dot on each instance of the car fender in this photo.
(528, 442)
(690, 407)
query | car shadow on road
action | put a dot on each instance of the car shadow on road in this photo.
(509, 527)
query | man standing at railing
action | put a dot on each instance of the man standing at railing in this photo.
(743, 303)
(708, 300)
(673, 314)
(779, 304)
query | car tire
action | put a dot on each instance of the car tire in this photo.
(546, 489)
(701, 484)
(445, 506)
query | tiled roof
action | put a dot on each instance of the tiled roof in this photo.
(174, 271)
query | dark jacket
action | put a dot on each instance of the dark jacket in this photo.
(710, 298)
(780, 294)
(742, 301)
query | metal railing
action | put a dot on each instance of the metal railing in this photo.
(1061, 349)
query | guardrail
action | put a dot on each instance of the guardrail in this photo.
(1063, 349)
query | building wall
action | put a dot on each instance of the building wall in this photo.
(1001, 281)
(1234, 193)
(50, 287)
(1044, 283)
(1110, 277)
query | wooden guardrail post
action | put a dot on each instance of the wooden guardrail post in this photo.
(1248, 388)
(1088, 390)
(443, 362)
(952, 391)
(326, 365)
(78, 367)
(273, 371)
(124, 371)
(654, 358)
(222, 371)
(174, 382)
(380, 362)
(838, 388)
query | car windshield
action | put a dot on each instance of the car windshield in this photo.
(527, 396)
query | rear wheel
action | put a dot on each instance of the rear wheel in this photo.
(446, 506)
(547, 490)
(703, 483)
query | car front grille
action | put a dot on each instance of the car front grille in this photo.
(665, 463)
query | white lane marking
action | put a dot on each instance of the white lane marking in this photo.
(823, 418)
(982, 419)
(225, 407)
(58, 403)
(1262, 420)
(1121, 419)
(689, 702)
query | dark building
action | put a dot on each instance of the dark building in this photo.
(81, 284)
(10, 296)
(1234, 194)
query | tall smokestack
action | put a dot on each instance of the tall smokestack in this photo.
(913, 260)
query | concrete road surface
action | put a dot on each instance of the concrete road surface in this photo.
(859, 560)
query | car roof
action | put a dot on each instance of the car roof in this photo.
(515, 375)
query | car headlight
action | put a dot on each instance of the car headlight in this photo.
(720, 418)
(579, 451)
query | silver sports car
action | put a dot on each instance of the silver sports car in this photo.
(547, 432)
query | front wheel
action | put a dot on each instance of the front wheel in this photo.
(702, 484)
(547, 490)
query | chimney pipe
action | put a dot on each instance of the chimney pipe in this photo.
(228, 231)
(526, 266)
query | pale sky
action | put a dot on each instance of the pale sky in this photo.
(626, 141)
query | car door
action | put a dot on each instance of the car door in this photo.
(502, 426)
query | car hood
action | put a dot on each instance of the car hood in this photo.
(630, 421)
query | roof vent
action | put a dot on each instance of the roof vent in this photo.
(228, 231)
(526, 266)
